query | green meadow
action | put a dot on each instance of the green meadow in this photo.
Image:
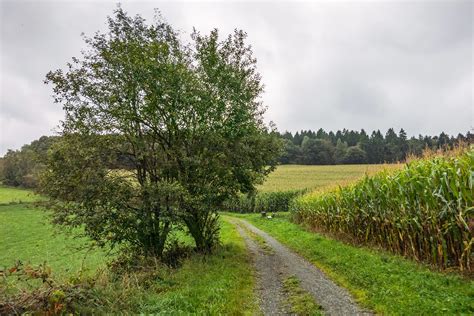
(219, 283)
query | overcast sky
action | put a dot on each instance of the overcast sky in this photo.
(329, 64)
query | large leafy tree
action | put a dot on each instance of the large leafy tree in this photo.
(188, 116)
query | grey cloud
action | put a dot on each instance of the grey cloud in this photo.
(335, 65)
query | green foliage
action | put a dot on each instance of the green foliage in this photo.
(113, 210)
(263, 202)
(355, 155)
(18, 169)
(22, 167)
(309, 147)
(424, 211)
(317, 151)
(291, 153)
(385, 283)
(340, 151)
(187, 115)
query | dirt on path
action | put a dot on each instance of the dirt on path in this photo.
(275, 262)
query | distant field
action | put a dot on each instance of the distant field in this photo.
(295, 177)
(14, 195)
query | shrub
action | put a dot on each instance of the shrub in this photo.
(48, 297)
(263, 202)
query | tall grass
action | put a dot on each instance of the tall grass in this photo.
(424, 211)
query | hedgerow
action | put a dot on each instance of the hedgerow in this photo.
(263, 202)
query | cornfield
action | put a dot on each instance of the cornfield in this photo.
(423, 211)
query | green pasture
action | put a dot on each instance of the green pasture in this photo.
(220, 283)
(10, 195)
(27, 235)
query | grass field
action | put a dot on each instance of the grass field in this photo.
(383, 282)
(13, 195)
(296, 177)
(221, 283)
(26, 235)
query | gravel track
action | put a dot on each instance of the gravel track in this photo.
(269, 277)
(282, 262)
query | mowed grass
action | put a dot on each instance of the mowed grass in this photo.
(27, 235)
(221, 283)
(297, 177)
(13, 195)
(387, 284)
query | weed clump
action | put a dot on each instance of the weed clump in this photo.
(37, 291)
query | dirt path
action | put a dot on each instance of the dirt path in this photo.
(269, 285)
(274, 262)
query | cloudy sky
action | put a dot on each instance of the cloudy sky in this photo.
(329, 64)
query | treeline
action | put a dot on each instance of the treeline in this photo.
(358, 147)
(21, 167)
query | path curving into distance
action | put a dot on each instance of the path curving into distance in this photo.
(274, 262)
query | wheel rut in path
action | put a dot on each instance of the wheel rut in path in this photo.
(272, 297)
(282, 262)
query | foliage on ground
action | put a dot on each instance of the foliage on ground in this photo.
(385, 283)
(48, 296)
(424, 211)
(221, 283)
